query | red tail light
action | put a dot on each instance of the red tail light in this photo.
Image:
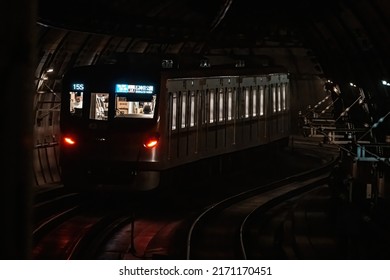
(69, 141)
(151, 141)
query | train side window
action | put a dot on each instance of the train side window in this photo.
(273, 98)
(261, 100)
(99, 106)
(279, 89)
(221, 104)
(230, 104)
(174, 109)
(192, 109)
(211, 105)
(76, 103)
(284, 96)
(247, 102)
(183, 109)
(254, 102)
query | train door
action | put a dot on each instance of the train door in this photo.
(231, 100)
(172, 146)
(183, 129)
(251, 95)
(262, 100)
(220, 113)
(285, 106)
(193, 121)
(267, 111)
(273, 109)
(183, 116)
(240, 115)
(279, 117)
(215, 136)
(246, 116)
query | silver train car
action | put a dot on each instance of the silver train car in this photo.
(133, 127)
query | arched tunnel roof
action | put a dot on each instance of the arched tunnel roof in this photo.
(336, 30)
(344, 40)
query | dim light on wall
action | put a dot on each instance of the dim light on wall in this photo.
(385, 83)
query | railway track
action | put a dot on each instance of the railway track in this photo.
(78, 228)
(170, 227)
(218, 232)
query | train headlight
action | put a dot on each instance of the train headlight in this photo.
(151, 141)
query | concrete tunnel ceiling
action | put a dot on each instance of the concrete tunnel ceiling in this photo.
(344, 40)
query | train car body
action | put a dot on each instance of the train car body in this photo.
(125, 125)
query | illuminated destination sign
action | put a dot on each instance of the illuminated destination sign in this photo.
(124, 88)
(77, 86)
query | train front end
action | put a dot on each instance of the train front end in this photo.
(110, 129)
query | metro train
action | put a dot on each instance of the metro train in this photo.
(132, 125)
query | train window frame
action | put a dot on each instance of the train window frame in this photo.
(273, 90)
(261, 101)
(173, 110)
(247, 101)
(76, 103)
(193, 108)
(230, 102)
(98, 108)
(221, 104)
(138, 106)
(211, 103)
(254, 102)
(279, 90)
(183, 109)
(284, 93)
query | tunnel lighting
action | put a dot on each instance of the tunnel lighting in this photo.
(385, 83)
(49, 70)
(240, 63)
(205, 63)
(167, 63)
(375, 125)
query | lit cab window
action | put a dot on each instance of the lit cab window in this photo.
(132, 108)
(135, 101)
(76, 103)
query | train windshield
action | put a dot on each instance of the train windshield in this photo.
(134, 101)
(135, 106)
(128, 101)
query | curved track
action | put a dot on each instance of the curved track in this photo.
(155, 227)
(217, 232)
